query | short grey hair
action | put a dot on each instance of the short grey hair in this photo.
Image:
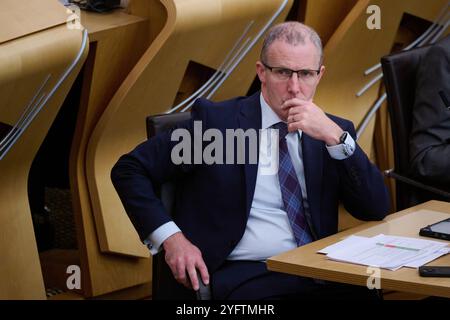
(294, 33)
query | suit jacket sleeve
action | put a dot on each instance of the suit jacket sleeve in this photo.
(362, 188)
(430, 135)
(138, 176)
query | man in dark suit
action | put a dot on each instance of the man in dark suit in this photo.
(430, 134)
(232, 215)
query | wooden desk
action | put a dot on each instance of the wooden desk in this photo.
(304, 261)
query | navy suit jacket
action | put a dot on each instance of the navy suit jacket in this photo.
(213, 201)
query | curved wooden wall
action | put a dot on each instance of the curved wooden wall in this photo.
(325, 16)
(195, 30)
(22, 71)
(118, 39)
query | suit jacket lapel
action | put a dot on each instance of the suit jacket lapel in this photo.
(250, 118)
(312, 150)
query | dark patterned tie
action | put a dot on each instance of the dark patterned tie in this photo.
(290, 189)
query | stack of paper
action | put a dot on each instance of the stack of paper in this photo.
(388, 252)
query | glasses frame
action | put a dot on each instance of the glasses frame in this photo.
(292, 71)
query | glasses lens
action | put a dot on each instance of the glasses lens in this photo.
(282, 74)
(306, 76)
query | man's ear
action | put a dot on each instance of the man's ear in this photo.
(261, 72)
(322, 71)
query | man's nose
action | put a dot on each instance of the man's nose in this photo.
(294, 84)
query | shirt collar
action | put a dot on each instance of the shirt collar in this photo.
(268, 116)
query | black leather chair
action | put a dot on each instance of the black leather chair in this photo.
(164, 286)
(399, 74)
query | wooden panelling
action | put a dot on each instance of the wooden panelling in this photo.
(325, 15)
(118, 40)
(22, 71)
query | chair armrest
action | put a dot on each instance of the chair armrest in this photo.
(204, 291)
(392, 174)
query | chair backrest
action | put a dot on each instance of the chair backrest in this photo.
(164, 287)
(399, 74)
(162, 122)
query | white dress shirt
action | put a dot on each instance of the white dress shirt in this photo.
(268, 231)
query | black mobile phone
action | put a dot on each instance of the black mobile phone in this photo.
(434, 271)
(439, 230)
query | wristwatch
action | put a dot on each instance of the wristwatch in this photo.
(347, 149)
(343, 137)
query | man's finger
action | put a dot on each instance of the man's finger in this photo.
(192, 272)
(292, 103)
(180, 273)
(204, 274)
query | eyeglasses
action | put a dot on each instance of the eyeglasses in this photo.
(305, 75)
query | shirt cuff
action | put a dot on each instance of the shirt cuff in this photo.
(343, 150)
(157, 237)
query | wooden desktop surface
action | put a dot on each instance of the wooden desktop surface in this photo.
(101, 25)
(305, 261)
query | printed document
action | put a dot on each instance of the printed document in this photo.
(388, 252)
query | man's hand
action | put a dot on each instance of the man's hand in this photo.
(306, 116)
(184, 259)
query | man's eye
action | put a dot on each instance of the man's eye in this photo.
(284, 72)
(306, 73)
